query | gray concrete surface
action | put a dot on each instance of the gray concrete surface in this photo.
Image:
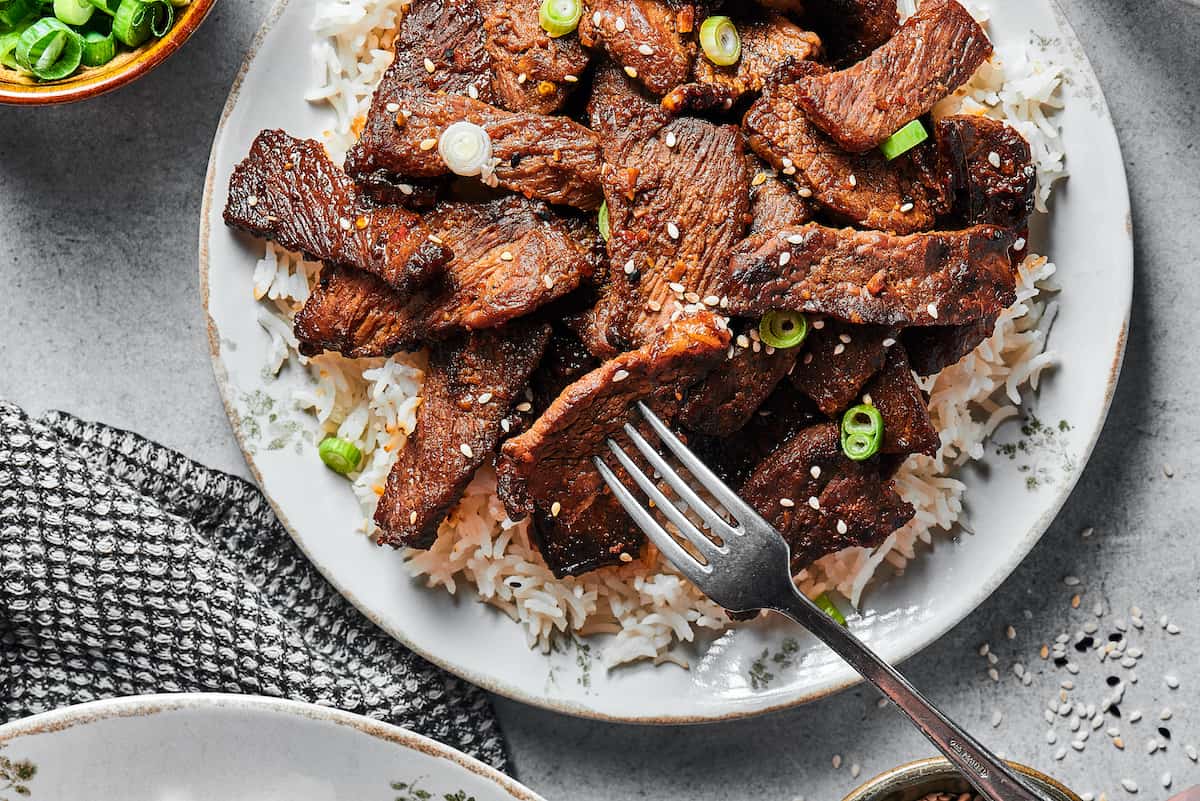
(99, 316)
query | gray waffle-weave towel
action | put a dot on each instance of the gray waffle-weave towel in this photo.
(126, 568)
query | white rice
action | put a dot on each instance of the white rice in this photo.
(645, 606)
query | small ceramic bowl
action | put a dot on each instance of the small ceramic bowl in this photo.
(916, 780)
(128, 66)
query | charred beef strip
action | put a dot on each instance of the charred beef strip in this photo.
(938, 278)
(933, 53)
(907, 428)
(768, 40)
(988, 169)
(548, 470)
(511, 257)
(852, 28)
(288, 190)
(934, 348)
(531, 71)
(652, 40)
(727, 398)
(774, 204)
(470, 388)
(547, 158)
(565, 362)
(822, 501)
(860, 189)
(358, 315)
(677, 203)
(838, 359)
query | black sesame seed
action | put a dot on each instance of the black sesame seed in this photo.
(1084, 644)
(1116, 636)
(1113, 681)
(1060, 661)
(1116, 711)
(1165, 732)
(514, 160)
(635, 276)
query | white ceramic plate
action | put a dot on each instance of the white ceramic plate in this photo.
(1089, 237)
(195, 747)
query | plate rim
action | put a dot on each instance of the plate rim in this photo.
(83, 714)
(984, 590)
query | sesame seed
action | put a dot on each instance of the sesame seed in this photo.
(1135, 716)
(620, 375)
(1020, 243)
(759, 178)
(787, 502)
(1166, 779)
(673, 230)
(842, 528)
(596, 19)
(654, 305)
(406, 189)
(815, 471)
(994, 158)
(1163, 621)
(1151, 746)
(1191, 752)
(691, 297)
(1119, 743)
(620, 24)
(804, 191)
(808, 358)
(344, 224)
(507, 426)
(472, 91)
(1060, 754)
(795, 239)
(506, 256)
(485, 397)
(676, 288)
(428, 144)
(1172, 682)
(889, 342)
(711, 300)
(844, 338)
(933, 310)
(466, 450)
(524, 406)
(412, 517)
(252, 200)
(743, 341)
(671, 141)
(429, 66)
(571, 78)
(836, 761)
(1071, 581)
(522, 78)
(839, 349)
(1077, 745)
(626, 557)
(784, 258)
(555, 508)
(645, 50)
(1130, 785)
(1051, 737)
(1172, 628)
(629, 268)
(631, 72)
(906, 208)
(853, 180)
(548, 281)
(814, 502)
(392, 108)
(855, 769)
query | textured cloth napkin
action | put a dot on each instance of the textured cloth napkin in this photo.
(126, 568)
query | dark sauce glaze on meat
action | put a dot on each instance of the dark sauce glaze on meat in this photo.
(731, 191)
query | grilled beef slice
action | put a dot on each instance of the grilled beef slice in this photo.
(988, 169)
(729, 395)
(471, 385)
(851, 29)
(548, 158)
(894, 392)
(860, 189)
(511, 257)
(566, 361)
(548, 470)
(938, 278)
(652, 40)
(933, 53)
(933, 348)
(677, 203)
(356, 314)
(838, 359)
(768, 40)
(854, 504)
(774, 204)
(289, 191)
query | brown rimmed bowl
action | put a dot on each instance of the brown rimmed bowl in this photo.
(916, 780)
(21, 90)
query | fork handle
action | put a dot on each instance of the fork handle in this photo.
(986, 773)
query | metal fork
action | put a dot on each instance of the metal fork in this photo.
(747, 568)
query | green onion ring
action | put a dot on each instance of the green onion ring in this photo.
(828, 607)
(339, 455)
(49, 49)
(862, 432)
(73, 12)
(904, 140)
(98, 48)
(560, 17)
(132, 21)
(109, 7)
(14, 12)
(162, 17)
(783, 329)
(602, 221)
(720, 41)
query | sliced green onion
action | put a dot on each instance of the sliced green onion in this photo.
(98, 48)
(49, 49)
(783, 329)
(74, 12)
(109, 7)
(904, 140)
(339, 455)
(162, 17)
(8, 43)
(602, 221)
(862, 432)
(560, 17)
(466, 148)
(133, 21)
(828, 607)
(14, 12)
(720, 41)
